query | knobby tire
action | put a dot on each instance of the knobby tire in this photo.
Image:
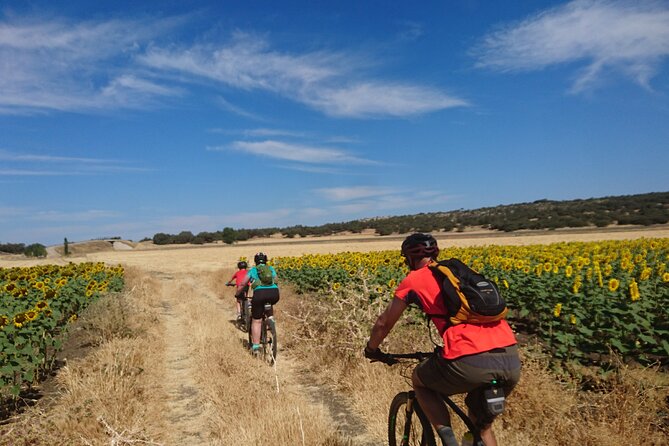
(272, 339)
(418, 431)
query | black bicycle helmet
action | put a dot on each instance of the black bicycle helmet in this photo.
(260, 258)
(420, 245)
(242, 264)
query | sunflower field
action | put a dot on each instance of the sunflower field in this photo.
(36, 305)
(581, 299)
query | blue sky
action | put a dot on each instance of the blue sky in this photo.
(132, 118)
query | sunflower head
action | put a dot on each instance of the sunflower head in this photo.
(19, 320)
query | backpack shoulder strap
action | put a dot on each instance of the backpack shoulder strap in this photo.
(448, 283)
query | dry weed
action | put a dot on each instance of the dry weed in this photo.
(544, 410)
(245, 401)
(106, 397)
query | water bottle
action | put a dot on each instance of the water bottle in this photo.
(467, 439)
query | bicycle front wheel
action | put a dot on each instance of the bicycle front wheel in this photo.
(247, 316)
(407, 424)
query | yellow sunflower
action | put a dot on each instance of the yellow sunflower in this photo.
(634, 291)
(614, 284)
(19, 320)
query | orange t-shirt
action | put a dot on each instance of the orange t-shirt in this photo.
(421, 287)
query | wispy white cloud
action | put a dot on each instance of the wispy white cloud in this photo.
(294, 152)
(354, 193)
(411, 31)
(59, 64)
(314, 169)
(392, 203)
(323, 80)
(226, 105)
(630, 37)
(6, 155)
(380, 99)
(25, 164)
(75, 216)
(275, 132)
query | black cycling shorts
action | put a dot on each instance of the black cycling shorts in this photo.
(262, 296)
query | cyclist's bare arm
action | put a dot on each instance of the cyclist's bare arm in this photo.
(385, 322)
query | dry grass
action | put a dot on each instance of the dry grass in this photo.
(245, 401)
(543, 410)
(108, 396)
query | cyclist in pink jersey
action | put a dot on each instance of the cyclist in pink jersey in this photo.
(473, 355)
(242, 287)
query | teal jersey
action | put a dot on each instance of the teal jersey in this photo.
(253, 276)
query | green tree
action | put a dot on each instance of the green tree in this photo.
(66, 247)
(162, 239)
(229, 236)
(35, 250)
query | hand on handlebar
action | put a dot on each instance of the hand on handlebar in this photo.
(377, 355)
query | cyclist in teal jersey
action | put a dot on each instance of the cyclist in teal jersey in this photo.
(264, 292)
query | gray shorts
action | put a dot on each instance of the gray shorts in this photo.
(470, 374)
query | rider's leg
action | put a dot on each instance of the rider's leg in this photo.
(431, 403)
(256, 324)
(487, 434)
(239, 308)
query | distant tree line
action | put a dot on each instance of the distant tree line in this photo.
(642, 209)
(33, 250)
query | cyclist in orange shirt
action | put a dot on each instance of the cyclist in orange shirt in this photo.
(473, 355)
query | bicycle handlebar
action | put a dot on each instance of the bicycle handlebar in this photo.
(415, 355)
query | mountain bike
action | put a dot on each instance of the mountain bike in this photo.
(407, 423)
(244, 321)
(268, 339)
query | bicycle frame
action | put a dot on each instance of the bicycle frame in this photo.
(476, 432)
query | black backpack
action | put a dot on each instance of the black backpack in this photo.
(469, 296)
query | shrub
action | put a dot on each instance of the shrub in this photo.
(35, 250)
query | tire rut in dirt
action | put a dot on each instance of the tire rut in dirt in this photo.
(185, 413)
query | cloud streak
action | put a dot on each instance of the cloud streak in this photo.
(98, 65)
(34, 165)
(74, 66)
(628, 37)
(317, 79)
(294, 152)
(353, 193)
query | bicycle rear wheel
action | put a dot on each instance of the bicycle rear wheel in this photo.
(271, 340)
(407, 424)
